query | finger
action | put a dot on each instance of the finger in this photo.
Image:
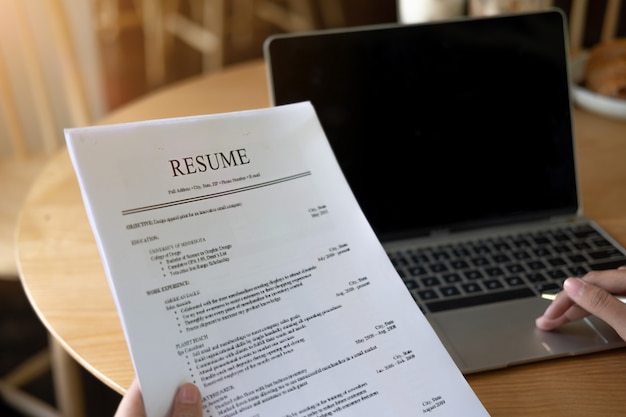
(132, 402)
(188, 402)
(612, 280)
(560, 311)
(559, 305)
(598, 302)
(574, 313)
(564, 310)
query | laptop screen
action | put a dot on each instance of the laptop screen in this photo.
(441, 125)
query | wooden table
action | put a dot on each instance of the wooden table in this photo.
(65, 281)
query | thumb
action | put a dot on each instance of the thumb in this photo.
(188, 402)
(598, 302)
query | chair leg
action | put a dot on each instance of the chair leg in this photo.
(11, 387)
(25, 403)
(67, 381)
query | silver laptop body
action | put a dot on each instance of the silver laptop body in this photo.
(456, 138)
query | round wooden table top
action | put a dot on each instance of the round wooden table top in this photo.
(66, 284)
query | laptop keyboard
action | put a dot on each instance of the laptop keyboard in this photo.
(504, 268)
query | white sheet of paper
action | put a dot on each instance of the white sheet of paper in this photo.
(240, 261)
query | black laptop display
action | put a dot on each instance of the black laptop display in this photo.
(479, 113)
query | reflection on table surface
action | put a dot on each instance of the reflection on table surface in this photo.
(64, 278)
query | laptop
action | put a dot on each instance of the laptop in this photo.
(456, 139)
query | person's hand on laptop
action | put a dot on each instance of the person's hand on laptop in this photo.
(187, 402)
(591, 294)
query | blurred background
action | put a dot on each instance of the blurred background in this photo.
(247, 24)
(122, 38)
(66, 63)
(93, 56)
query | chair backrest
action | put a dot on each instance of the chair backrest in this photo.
(212, 27)
(578, 22)
(50, 77)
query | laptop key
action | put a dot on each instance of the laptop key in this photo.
(605, 254)
(430, 281)
(521, 255)
(473, 274)
(586, 232)
(440, 256)
(501, 258)
(600, 266)
(536, 265)
(514, 281)
(578, 259)
(522, 243)
(557, 274)
(536, 277)
(417, 271)
(452, 278)
(502, 247)
(427, 294)
(579, 271)
(562, 249)
(493, 284)
(515, 268)
(480, 261)
(438, 268)
(419, 258)
(494, 271)
(602, 243)
(450, 291)
(411, 284)
(556, 262)
(459, 264)
(548, 287)
(471, 288)
(560, 236)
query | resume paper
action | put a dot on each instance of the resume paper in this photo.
(240, 261)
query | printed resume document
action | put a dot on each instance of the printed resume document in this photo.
(240, 261)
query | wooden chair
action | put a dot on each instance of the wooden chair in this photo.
(42, 90)
(211, 26)
(202, 28)
(577, 22)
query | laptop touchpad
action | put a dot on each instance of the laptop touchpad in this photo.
(490, 337)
